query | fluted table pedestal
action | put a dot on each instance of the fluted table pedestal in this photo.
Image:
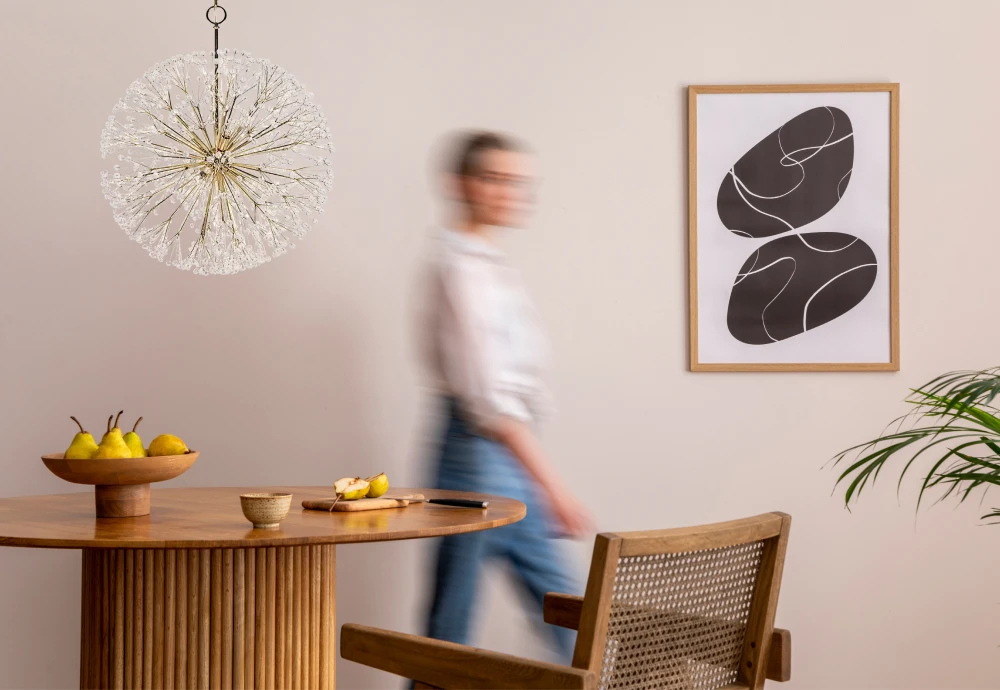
(192, 596)
(208, 618)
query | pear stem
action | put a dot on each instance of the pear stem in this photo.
(110, 417)
(136, 424)
(119, 416)
(82, 430)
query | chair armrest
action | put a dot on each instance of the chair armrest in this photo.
(779, 656)
(564, 610)
(447, 665)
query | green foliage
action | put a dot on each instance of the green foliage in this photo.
(953, 425)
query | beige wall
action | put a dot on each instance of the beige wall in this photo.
(301, 371)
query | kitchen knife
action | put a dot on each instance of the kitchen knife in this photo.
(329, 503)
(454, 502)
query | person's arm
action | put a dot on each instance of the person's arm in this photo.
(471, 370)
(523, 445)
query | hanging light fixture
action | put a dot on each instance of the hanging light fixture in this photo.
(220, 160)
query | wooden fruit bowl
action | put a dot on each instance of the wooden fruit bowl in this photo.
(121, 485)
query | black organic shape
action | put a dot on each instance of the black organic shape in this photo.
(790, 178)
(798, 282)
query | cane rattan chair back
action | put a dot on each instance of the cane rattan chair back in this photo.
(683, 609)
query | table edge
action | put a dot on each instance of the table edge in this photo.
(267, 538)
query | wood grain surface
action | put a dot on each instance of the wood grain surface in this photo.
(115, 471)
(203, 518)
(332, 503)
(224, 627)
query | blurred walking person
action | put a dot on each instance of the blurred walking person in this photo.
(486, 351)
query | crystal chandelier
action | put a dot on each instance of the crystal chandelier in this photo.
(220, 160)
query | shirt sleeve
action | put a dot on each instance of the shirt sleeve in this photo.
(471, 366)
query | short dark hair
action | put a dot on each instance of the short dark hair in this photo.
(469, 148)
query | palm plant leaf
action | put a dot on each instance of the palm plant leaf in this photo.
(952, 418)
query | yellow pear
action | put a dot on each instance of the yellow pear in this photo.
(166, 444)
(83, 446)
(351, 488)
(134, 443)
(105, 437)
(377, 485)
(112, 445)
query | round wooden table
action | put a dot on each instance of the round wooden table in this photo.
(191, 596)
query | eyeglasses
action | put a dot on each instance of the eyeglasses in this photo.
(518, 182)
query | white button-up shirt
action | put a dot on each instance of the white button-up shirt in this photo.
(485, 345)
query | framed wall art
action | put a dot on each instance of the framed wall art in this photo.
(793, 227)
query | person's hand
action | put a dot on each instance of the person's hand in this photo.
(573, 517)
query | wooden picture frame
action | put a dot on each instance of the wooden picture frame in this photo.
(884, 285)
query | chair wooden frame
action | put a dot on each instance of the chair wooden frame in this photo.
(766, 652)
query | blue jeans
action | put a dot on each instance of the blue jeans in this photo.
(468, 462)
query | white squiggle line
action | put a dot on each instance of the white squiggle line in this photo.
(810, 148)
(743, 276)
(805, 309)
(781, 162)
(736, 183)
(784, 154)
(788, 156)
(842, 179)
(742, 232)
(763, 314)
(826, 251)
(833, 128)
(760, 196)
(776, 261)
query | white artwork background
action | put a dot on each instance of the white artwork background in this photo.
(729, 125)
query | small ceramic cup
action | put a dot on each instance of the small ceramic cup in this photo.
(265, 510)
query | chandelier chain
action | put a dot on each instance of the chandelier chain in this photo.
(215, 22)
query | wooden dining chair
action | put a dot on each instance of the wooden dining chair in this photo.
(682, 609)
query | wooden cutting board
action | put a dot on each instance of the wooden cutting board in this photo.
(356, 505)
